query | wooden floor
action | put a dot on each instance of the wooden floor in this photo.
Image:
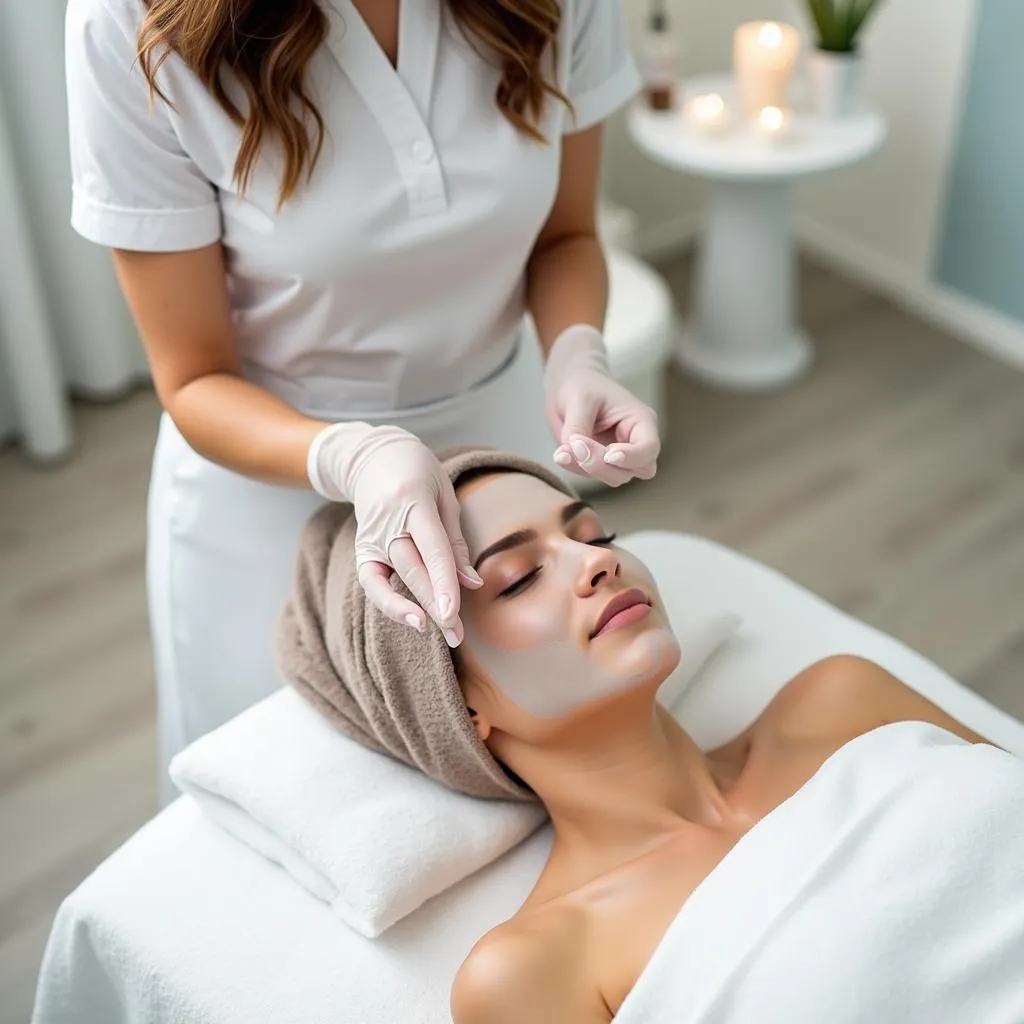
(891, 481)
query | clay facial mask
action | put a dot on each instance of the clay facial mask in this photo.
(529, 630)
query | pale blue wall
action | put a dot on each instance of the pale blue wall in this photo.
(982, 243)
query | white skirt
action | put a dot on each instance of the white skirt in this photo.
(222, 547)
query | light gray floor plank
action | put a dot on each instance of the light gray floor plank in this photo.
(890, 480)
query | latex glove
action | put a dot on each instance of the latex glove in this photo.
(604, 431)
(407, 520)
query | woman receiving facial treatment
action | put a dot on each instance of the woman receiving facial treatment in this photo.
(329, 219)
(854, 854)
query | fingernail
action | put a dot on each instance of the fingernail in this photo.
(450, 637)
(614, 457)
(444, 605)
(471, 574)
(581, 451)
(563, 458)
(415, 621)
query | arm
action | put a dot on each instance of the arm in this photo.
(603, 431)
(138, 191)
(179, 301)
(515, 975)
(567, 278)
(180, 304)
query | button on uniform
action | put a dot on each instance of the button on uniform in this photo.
(422, 151)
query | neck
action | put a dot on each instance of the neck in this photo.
(623, 779)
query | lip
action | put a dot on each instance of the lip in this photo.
(619, 603)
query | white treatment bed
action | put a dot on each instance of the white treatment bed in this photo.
(184, 925)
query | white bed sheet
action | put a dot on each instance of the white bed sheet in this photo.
(183, 925)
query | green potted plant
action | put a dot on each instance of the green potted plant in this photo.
(835, 66)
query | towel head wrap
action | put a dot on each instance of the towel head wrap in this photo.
(381, 683)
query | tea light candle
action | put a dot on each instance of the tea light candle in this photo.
(707, 113)
(773, 123)
(764, 55)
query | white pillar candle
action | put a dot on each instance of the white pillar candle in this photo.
(764, 55)
(707, 113)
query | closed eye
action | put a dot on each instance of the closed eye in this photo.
(520, 584)
(524, 581)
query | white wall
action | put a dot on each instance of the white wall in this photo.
(917, 54)
(880, 221)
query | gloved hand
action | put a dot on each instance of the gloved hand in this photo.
(407, 520)
(604, 431)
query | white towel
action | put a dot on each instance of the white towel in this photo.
(370, 836)
(889, 888)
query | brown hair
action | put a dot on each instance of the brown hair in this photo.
(268, 44)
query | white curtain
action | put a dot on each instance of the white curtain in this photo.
(64, 328)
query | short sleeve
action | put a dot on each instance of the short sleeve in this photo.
(602, 74)
(133, 185)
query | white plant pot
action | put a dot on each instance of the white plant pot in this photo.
(835, 80)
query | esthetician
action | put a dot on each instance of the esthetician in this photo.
(328, 220)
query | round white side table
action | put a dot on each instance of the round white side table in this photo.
(743, 335)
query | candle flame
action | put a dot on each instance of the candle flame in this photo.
(770, 35)
(708, 107)
(772, 119)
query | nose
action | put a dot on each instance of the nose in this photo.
(596, 564)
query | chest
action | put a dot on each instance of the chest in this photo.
(630, 915)
(381, 17)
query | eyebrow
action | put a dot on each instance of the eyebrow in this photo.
(519, 537)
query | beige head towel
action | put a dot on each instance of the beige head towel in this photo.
(383, 684)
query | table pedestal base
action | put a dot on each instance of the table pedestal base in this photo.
(743, 336)
(785, 362)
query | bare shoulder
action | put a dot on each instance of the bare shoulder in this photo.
(532, 968)
(847, 694)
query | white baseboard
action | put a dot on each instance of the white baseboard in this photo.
(985, 329)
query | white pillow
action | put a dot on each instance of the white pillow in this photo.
(371, 837)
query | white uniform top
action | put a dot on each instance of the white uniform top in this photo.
(396, 276)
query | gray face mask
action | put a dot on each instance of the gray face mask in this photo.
(534, 645)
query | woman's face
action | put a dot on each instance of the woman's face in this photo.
(564, 618)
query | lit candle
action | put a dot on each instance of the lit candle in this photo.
(764, 55)
(773, 123)
(707, 113)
